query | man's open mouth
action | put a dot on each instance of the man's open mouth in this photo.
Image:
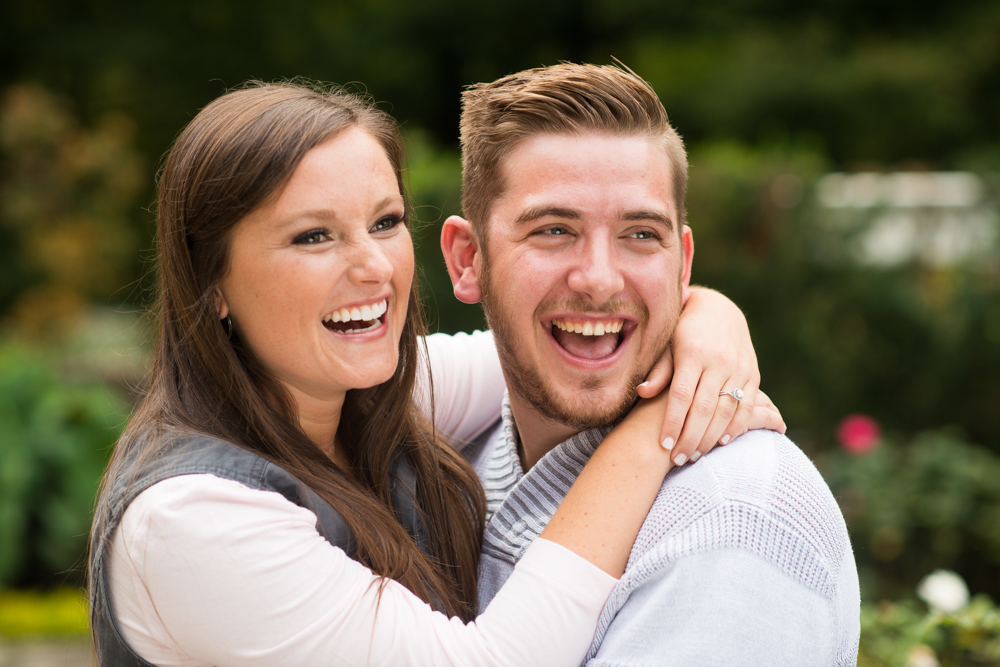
(357, 319)
(589, 339)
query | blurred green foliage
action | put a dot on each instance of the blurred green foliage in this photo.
(872, 81)
(902, 634)
(56, 440)
(931, 503)
(915, 347)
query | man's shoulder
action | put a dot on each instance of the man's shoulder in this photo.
(744, 550)
(760, 494)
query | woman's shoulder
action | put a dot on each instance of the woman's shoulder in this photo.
(155, 452)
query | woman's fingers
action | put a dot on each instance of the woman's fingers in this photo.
(754, 411)
(766, 415)
(739, 424)
(658, 377)
(707, 415)
(682, 392)
(728, 416)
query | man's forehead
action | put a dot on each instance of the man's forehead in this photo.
(560, 175)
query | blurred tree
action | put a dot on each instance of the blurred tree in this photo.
(882, 82)
(65, 197)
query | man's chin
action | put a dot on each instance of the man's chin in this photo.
(582, 416)
(584, 408)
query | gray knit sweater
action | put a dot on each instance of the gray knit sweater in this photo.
(744, 558)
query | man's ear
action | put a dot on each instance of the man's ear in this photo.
(461, 253)
(687, 250)
(221, 307)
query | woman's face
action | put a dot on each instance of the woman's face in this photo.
(319, 276)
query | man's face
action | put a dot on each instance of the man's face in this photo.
(585, 271)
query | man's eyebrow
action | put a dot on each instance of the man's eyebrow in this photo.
(547, 211)
(653, 216)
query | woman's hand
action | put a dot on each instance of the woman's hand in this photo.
(711, 352)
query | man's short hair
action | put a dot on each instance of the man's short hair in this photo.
(561, 99)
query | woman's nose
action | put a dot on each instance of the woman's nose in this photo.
(368, 262)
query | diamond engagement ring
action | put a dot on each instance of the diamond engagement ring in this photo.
(735, 393)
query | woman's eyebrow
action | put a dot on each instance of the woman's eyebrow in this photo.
(330, 212)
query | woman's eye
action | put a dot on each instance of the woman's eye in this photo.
(311, 237)
(388, 222)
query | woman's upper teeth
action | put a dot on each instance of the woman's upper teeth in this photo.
(359, 313)
(590, 328)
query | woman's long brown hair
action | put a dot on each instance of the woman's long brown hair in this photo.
(239, 151)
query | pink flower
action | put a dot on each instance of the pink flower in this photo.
(859, 434)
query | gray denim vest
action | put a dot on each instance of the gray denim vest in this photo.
(189, 453)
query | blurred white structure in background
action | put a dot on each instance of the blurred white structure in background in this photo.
(939, 219)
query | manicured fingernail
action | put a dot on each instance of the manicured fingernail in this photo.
(680, 460)
(668, 443)
(725, 439)
(695, 456)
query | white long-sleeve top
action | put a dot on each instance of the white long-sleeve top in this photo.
(206, 571)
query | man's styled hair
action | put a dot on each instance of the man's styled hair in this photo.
(561, 99)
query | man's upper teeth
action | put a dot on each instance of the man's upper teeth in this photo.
(590, 328)
(362, 313)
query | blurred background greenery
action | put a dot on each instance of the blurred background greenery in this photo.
(871, 291)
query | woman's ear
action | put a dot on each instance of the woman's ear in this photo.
(461, 253)
(221, 307)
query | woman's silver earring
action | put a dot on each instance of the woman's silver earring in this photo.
(227, 324)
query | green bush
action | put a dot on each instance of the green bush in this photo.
(910, 509)
(902, 634)
(57, 436)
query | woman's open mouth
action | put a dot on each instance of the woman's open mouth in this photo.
(357, 320)
(589, 339)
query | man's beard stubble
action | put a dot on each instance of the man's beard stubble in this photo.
(528, 383)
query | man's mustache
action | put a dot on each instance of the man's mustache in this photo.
(577, 304)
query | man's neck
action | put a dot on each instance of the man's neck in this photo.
(538, 434)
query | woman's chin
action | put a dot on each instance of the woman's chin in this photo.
(372, 377)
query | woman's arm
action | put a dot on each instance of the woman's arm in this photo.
(206, 571)
(602, 513)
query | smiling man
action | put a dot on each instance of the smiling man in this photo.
(576, 244)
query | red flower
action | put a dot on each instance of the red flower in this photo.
(859, 434)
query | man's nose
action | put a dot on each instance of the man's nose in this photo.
(597, 274)
(368, 262)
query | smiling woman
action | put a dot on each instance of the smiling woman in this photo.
(277, 497)
(308, 267)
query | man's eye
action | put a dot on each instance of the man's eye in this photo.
(388, 222)
(642, 235)
(311, 237)
(554, 231)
